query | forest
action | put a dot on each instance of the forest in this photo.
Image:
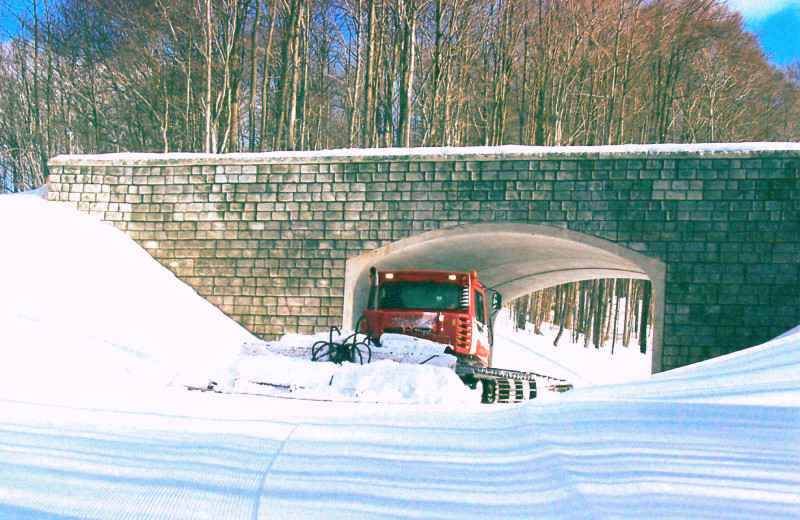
(217, 76)
(603, 310)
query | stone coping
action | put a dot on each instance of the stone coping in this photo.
(472, 153)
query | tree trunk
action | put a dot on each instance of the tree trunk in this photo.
(208, 143)
(265, 79)
(647, 289)
(368, 132)
(251, 138)
(616, 318)
(287, 77)
(408, 15)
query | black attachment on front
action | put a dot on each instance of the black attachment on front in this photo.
(352, 349)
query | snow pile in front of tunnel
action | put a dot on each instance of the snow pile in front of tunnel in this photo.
(402, 370)
(393, 347)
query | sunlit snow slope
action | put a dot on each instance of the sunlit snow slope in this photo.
(81, 301)
(89, 312)
(717, 440)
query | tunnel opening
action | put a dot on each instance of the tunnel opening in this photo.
(592, 332)
(514, 259)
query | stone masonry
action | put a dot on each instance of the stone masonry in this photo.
(266, 237)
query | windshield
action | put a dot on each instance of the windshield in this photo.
(429, 296)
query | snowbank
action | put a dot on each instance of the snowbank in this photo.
(88, 310)
(667, 456)
(403, 370)
(381, 381)
(394, 347)
(83, 305)
(766, 375)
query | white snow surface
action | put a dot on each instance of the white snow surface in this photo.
(82, 301)
(381, 381)
(89, 311)
(394, 347)
(346, 153)
(402, 370)
(716, 440)
(574, 362)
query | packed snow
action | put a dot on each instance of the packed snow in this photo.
(398, 370)
(98, 343)
(81, 301)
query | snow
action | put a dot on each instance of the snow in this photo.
(790, 332)
(403, 370)
(82, 306)
(394, 347)
(89, 309)
(80, 300)
(766, 375)
(488, 151)
(580, 366)
(383, 381)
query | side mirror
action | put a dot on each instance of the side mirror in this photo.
(497, 301)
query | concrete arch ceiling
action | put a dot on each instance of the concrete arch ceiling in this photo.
(512, 258)
(515, 264)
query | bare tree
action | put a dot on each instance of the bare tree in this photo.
(87, 76)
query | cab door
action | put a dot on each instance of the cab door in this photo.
(482, 346)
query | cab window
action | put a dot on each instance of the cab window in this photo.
(480, 310)
(428, 296)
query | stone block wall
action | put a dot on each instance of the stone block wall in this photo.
(266, 237)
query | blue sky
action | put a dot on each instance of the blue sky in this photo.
(8, 8)
(775, 22)
(777, 25)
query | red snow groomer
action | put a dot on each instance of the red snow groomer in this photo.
(444, 307)
(449, 308)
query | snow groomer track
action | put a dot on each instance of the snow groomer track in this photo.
(670, 454)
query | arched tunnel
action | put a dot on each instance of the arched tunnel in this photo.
(512, 258)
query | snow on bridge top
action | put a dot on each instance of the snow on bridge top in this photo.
(754, 149)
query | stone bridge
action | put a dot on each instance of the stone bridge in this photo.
(282, 242)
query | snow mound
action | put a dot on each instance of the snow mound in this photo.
(382, 381)
(392, 382)
(767, 374)
(295, 345)
(87, 311)
(393, 347)
(403, 370)
(83, 305)
(406, 349)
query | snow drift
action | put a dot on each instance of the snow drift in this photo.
(88, 310)
(767, 375)
(403, 370)
(82, 304)
(209, 456)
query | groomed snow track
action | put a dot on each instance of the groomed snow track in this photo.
(88, 429)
